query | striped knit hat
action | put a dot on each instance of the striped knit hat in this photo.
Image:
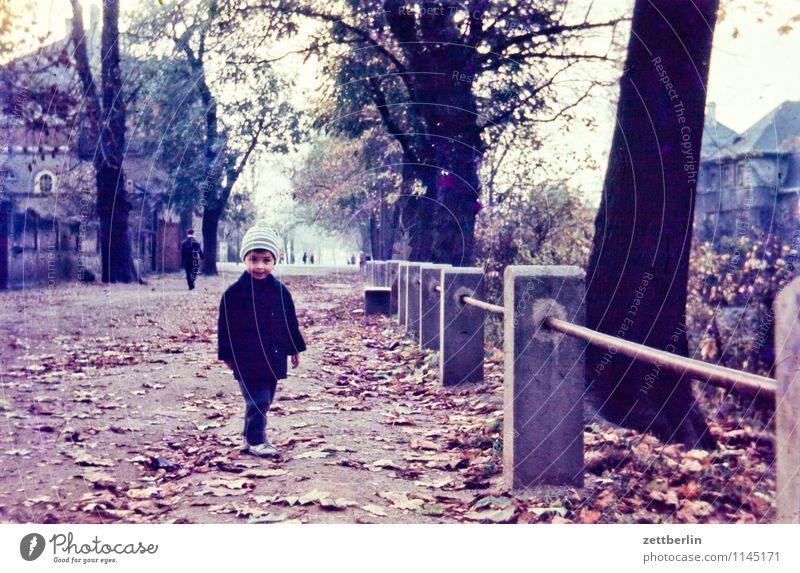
(262, 236)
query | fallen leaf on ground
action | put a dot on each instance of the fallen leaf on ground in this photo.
(421, 444)
(259, 473)
(384, 464)
(230, 483)
(269, 518)
(401, 500)
(338, 503)
(493, 515)
(539, 511)
(17, 452)
(89, 460)
(312, 496)
(98, 478)
(374, 509)
(143, 493)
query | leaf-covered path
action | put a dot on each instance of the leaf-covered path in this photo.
(115, 409)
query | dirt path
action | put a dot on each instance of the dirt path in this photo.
(116, 410)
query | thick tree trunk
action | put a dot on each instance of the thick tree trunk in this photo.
(374, 242)
(391, 233)
(210, 225)
(107, 126)
(116, 256)
(638, 269)
(112, 200)
(420, 212)
(441, 97)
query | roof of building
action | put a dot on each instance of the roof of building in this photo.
(777, 131)
(716, 137)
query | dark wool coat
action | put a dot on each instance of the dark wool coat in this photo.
(191, 251)
(257, 328)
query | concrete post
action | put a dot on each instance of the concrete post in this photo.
(392, 268)
(543, 410)
(380, 273)
(414, 288)
(787, 404)
(461, 327)
(402, 292)
(376, 300)
(430, 313)
(368, 273)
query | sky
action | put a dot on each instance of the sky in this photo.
(753, 67)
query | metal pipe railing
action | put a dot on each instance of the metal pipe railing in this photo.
(741, 382)
(496, 309)
(483, 305)
(544, 446)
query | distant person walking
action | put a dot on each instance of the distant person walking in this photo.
(191, 255)
(362, 262)
(311, 258)
(305, 257)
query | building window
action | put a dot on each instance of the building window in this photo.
(740, 175)
(26, 231)
(7, 176)
(727, 175)
(45, 183)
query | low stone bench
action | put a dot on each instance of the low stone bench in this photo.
(376, 300)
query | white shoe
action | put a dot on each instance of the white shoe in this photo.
(265, 450)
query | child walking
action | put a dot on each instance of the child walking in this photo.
(257, 332)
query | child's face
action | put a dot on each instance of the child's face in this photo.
(259, 263)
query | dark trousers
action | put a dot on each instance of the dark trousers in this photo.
(191, 275)
(258, 392)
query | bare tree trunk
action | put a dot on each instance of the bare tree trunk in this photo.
(210, 225)
(390, 233)
(638, 270)
(107, 133)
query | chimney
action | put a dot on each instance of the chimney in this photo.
(711, 112)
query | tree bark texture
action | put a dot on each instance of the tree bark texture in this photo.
(638, 269)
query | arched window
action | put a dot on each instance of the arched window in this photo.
(45, 183)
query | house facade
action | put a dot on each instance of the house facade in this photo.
(49, 231)
(748, 183)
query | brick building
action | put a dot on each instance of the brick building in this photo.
(49, 231)
(748, 183)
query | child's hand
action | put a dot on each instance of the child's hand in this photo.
(295, 360)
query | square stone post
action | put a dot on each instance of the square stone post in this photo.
(376, 300)
(543, 381)
(414, 288)
(380, 273)
(392, 268)
(787, 404)
(461, 327)
(402, 292)
(430, 313)
(368, 273)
